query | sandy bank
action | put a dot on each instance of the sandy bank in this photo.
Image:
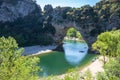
(95, 67)
(35, 50)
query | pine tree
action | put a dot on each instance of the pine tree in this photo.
(13, 66)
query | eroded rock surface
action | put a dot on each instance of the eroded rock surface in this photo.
(90, 21)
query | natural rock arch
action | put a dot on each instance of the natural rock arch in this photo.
(87, 33)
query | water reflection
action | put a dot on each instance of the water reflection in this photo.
(75, 51)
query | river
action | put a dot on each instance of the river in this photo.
(56, 63)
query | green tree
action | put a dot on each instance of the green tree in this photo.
(112, 70)
(13, 66)
(71, 32)
(78, 35)
(108, 44)
(101, 44)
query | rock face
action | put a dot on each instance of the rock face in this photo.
(90, 21)
(87, 31)
(10, 12)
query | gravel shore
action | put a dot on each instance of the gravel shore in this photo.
(35, 50)
(95, 67)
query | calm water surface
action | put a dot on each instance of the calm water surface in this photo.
(56, 63)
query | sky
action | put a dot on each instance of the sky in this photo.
(63, 3)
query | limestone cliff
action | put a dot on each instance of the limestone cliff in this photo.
(90, 21)
(34, 25)
(10, 11)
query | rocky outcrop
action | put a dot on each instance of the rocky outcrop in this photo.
(11, 12)
(83, 21)
(90, 21)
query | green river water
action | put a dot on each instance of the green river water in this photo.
(56, 63)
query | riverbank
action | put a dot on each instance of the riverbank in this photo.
(73, 39)
(94, 66)
(36, 50)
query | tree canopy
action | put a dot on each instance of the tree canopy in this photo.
(13, 66)
(72, 32)
(108, 43)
